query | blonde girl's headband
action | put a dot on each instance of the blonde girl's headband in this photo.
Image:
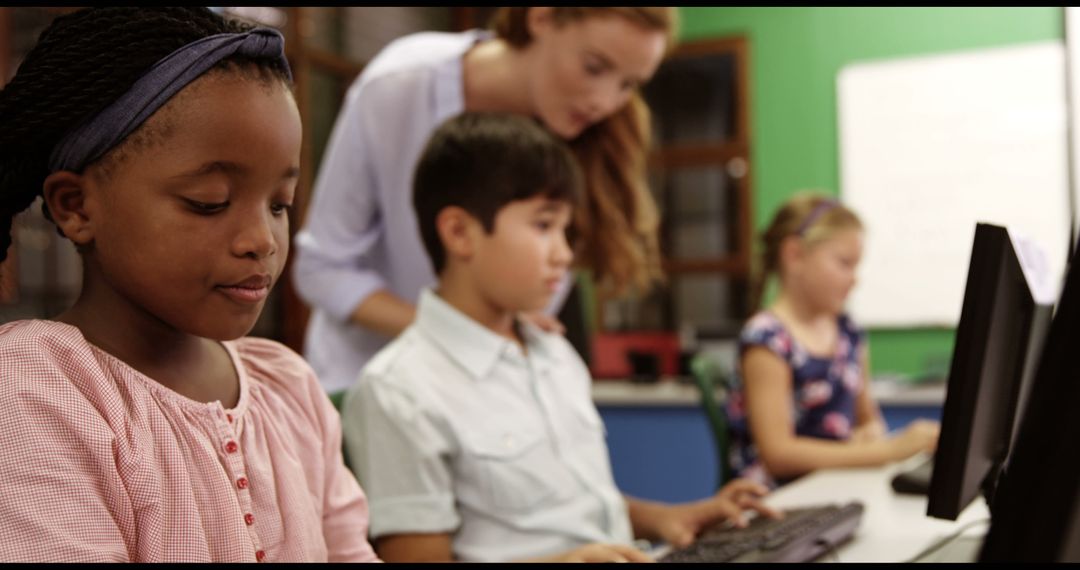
(94, 137)
(818, 211)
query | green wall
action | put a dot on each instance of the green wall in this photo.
(795, 54)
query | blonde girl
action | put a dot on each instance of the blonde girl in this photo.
(801, 398)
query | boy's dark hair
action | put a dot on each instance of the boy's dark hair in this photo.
(81, 63)
(481, 162)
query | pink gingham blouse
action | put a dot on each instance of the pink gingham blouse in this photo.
(100, 463)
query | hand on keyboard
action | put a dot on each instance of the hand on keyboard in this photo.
(920, 435)
(678, 525)
(803, 535)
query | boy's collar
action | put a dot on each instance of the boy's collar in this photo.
(472, 345)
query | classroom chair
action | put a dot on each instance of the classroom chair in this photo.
(708, 375)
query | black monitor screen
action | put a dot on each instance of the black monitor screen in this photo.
(998, 338)
(1034, 515)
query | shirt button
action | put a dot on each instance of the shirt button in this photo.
(249, 519)
(259, 555)
(230, 446)
(242, 483)
(229, 417)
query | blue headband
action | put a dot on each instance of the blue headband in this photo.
(93, 138)
(814, 215)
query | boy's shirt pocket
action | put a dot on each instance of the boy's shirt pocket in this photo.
(512, 468)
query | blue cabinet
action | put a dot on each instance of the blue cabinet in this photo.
(661, 453)
(896, 416)
(666, 452)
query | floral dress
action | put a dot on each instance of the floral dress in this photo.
(825, 389)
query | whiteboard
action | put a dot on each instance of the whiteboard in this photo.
(931, 145)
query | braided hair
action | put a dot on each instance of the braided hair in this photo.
(81, 63)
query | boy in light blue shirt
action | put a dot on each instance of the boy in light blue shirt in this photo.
(474, 433)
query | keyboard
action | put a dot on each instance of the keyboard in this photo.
(916, 480)
(803, 535)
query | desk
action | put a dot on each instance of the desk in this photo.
(669, 391)
(894, 527)
(900, 402)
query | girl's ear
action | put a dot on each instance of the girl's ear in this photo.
(65, 196)
(457, 230)
(791, 251)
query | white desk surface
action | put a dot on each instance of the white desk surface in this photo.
(894, 526)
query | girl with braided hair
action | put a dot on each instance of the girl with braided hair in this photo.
(140, 424)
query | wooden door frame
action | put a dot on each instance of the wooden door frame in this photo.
(305, 61)
(737, 265)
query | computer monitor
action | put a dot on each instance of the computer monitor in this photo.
(1034, 516)
(1001, 329)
